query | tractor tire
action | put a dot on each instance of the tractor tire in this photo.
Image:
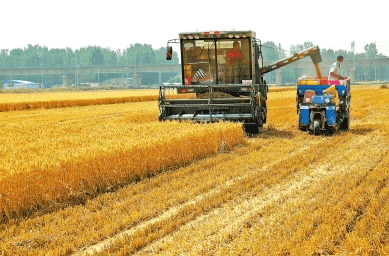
(345, 125)
(303, 128)
(316, 127)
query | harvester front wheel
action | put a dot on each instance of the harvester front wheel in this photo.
(251, 129)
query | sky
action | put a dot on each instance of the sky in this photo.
(119, 23)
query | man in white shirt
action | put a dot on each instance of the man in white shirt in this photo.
(335, 70)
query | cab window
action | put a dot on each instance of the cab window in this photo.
(216, 61)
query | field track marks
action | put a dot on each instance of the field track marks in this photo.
(213, 231)
(175, 212)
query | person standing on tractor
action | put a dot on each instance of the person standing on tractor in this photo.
(335, 69)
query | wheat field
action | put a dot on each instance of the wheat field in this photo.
(62, 99)
(210, 191)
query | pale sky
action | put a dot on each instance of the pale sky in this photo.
(117, 23)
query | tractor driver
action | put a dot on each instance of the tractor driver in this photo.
(234, 58)
(335, 69)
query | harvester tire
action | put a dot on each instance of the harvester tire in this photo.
(251, 129)
(264, 112)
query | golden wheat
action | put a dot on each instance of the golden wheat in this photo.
(62, 155)
(73, 95)
(48, 100)
(284, 192)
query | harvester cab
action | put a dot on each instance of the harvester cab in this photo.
(223, 72)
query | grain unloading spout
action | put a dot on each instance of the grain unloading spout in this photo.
(314, 52)
(316, 59)
(316, 56)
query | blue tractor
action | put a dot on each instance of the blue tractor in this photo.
(323, 106)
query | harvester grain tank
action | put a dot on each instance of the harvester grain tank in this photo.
(224, 70)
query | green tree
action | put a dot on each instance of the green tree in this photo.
(300, 47)
(110, 57)
(270, 52)
(16, 58)
(291, 75)
(96, 57)
(55, 58)
(3, 57)
(139, 54)
(35, 56)
(371, 50)
(328, 54)
(68, 57)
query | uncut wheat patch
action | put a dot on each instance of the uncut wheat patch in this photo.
(81, 156)
(74, 95)
(44, 138)
(27, 101)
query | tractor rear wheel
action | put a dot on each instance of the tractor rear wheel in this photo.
(344, 126)
(316, 127)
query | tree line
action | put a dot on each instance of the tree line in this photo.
(139, 54)
(41, 56)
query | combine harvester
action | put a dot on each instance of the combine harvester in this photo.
(323, 106)
(224, 71)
